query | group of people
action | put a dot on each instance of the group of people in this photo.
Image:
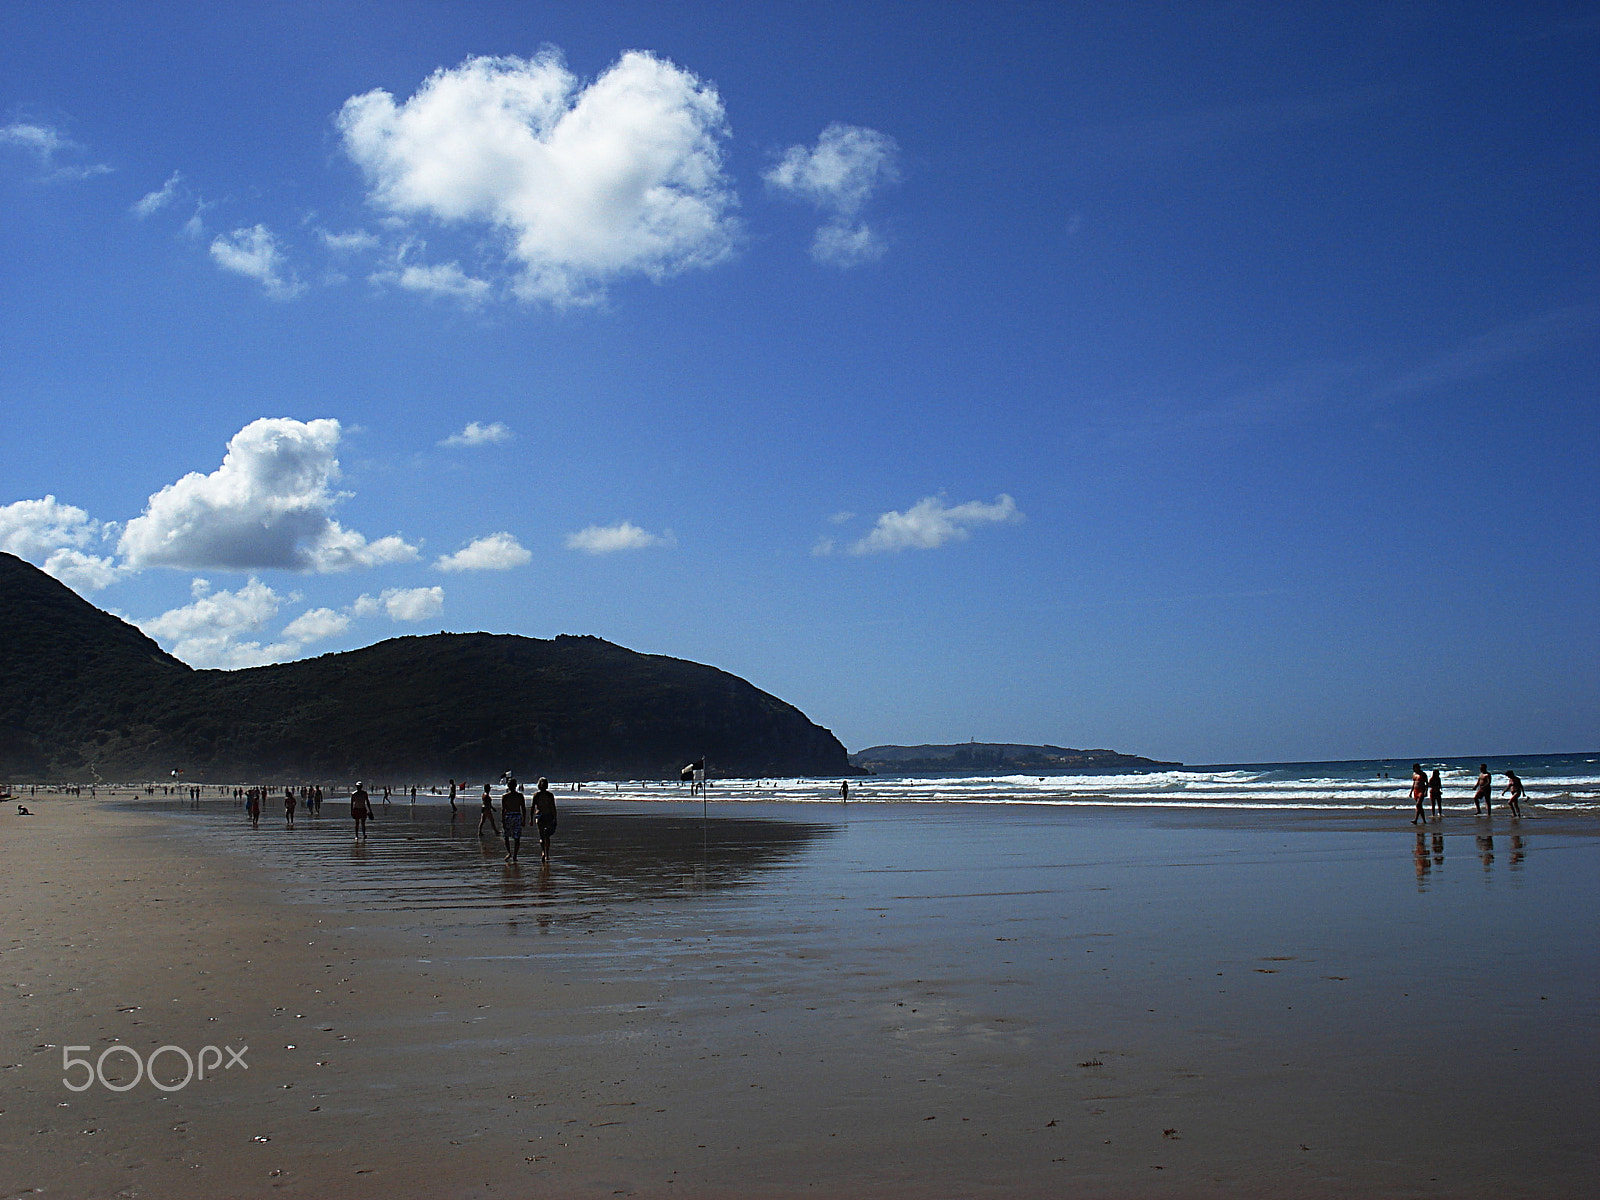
(1429, 789)
(513, 814)
(254, 798)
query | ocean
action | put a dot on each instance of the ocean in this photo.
(1554, 782)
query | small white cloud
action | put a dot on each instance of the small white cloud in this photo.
(930, 523)
(497, 552)
(316, 625)
(353, 242)
(823, 547)
(582, 185)
(43, 140)
(152, 202)
(254, 253)
(841, 518)
(477, 434)
(438, 279)
(45, 143)
(839, 175)
(842, 244)
(269, 505)
(608, 539)
(209, 631)
(401, 604)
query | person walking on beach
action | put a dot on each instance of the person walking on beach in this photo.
(544, 811)
(360, 810)
(289, 803)
(252, 808)
(1419, 793)
(488, 813)
(1515, 790)
(1484, 790)
(452, 799)
(512, 810)
(1436, 796)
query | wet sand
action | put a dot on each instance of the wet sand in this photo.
(786, 1000)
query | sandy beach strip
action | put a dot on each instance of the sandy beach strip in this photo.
(880, 1003)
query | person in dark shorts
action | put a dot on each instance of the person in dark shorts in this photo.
(1436, 796)
(512, 810)
(544, 812)
(360, 809)
(1515, 791)
(487, 813)
(289, 804)
(1484, 791)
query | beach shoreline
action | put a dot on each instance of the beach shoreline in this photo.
(1132, 1005)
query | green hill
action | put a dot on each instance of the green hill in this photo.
(87, 694)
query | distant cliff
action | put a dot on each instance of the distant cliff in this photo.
(83, 693)
(999, 757)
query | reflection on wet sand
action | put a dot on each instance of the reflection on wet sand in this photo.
(1428, 853)
(423, 861)
(1517, 846)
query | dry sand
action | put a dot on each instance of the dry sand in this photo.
(882, 1024)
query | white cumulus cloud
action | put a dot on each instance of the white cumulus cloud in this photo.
(316, 625)
(497, 552)
(253, 252)
(478, 434)
(82, 572)
(269, 505)
(211, 630)
(930, 523)
(608, 539)
(839, 175)
(32, 528)
(401, 604)
(583, 184)
(54, 537)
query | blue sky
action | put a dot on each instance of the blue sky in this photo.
(1212, 382)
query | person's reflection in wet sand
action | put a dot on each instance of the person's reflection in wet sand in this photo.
(513, 891)
(1438, 849)
(544, 897)
(1486, 850)
(1419, 857)
(1516, 851)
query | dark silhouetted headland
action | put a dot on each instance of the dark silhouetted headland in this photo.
(83, 693)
